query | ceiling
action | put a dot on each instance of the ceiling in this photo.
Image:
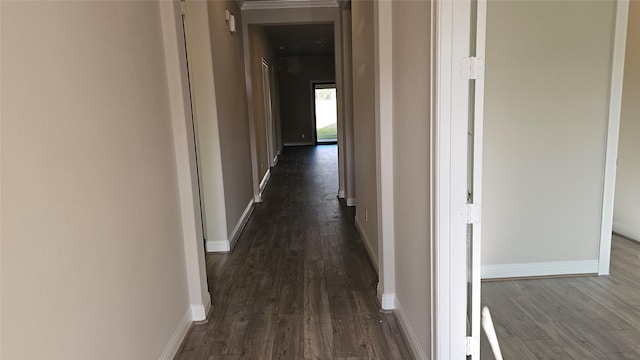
(302, 40)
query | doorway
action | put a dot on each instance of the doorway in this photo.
(325, 113)
(268, 114)
(570, 209)
(193, 127)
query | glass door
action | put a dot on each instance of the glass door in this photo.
(325, 113)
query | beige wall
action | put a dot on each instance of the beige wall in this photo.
(233, 118)
(261, 48)
(411, 138)
(296, 109)
(548, 68)
(205, 113)
(92, 247)
(626, 216)
(364, 121)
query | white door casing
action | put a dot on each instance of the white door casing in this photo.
(452, 102)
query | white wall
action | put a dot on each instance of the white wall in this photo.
(364, 123)
(626, 215)
(412, 147)
(547, 88)
(92, 245)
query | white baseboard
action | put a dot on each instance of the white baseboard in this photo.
(199, 312)
(307, 143)
(265, 180)
(388, 301)
(177, 338)
(409, 334)
(257, 198)
(275, 159)
(632, 232)
(218, 246)
(237, 230)
(351, 201)
(539, 269)
(367, 244)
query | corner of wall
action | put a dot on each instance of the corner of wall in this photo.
(408, 332)
(178, 337)
(627, 230)
(367, 244)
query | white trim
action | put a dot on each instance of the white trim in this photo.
(218, 246)
(449, 123)
(288, 4)
(341, 194)
(367, 245)
(409, 333)
(246, 45)
(540, 269)
(630, 231)
(199, 312)
(265, 180)
(183, 137)
(237, 230)
(351, 201)
(268, 112)
(297, 144)
(388, 301)
(613, 134)
(172, 348)
(383, 87)
(477, 157)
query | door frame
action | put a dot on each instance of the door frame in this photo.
(175, 40)
(452, 41)
(314, 83)
(450, 25)
(268, 113)
(613, 134)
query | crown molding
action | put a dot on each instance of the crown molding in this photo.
(288, 4)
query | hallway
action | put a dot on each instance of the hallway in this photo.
(298, 283)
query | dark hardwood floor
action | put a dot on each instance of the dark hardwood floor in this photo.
(574, 318)
(298, 284)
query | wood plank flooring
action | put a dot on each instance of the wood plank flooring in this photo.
(573, 318)
(298, 284)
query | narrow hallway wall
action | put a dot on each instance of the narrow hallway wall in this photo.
(92, 252)
(233, 118)
(364, 123)
(261, 48)
(412, 148)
